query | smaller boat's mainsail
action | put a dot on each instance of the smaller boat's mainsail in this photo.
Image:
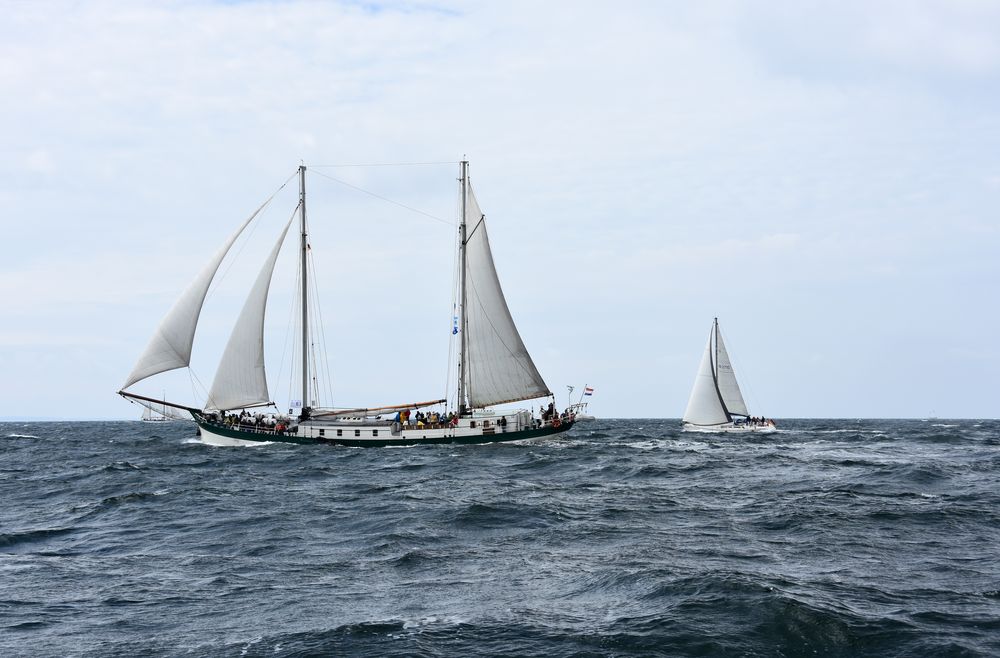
(705, 404)
(499, 368)
(240, 380)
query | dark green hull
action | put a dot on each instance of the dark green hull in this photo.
(262, 437)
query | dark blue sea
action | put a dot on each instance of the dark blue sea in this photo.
(619, 538)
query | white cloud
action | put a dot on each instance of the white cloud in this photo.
(643, 164)
(40, 161)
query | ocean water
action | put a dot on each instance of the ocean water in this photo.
(619, 538)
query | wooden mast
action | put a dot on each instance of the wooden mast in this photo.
(305, 293)
(463, 317)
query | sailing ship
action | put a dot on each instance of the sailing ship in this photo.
(150, 416)
(493, 364)
(161, 413)
(716, 403)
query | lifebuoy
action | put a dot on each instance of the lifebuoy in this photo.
(556, 423)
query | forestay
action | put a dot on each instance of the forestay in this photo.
(240, 380)
(499, 368)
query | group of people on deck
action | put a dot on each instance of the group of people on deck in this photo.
(759, 421)
(431, 420)
(552, 416)
(255, 422)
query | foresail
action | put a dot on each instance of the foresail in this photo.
(170, 346)
(704, 406)
(728, 388)
(240, 380)
(499, 368)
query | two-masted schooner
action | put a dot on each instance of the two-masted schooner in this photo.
(493, 365)
(716, 403)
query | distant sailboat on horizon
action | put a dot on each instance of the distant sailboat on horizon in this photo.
(150, 416)
(716, 403)
(160, 413)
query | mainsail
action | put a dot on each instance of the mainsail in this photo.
(240, 380)
(170, 346)
(705, 404)
(726, 378)
(498, 366)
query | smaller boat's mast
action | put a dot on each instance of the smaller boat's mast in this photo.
(715, 350)
(305, 292)
(462, 367)
(715, 367)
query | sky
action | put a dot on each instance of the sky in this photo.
(822, 177)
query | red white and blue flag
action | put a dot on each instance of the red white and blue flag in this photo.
(588, 391)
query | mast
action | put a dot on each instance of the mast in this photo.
(305, 291)
(715, 367)
(715, 353)
(462, 318)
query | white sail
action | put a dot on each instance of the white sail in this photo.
(705, 405)
(499, 368)
(160, 411)
(170, 346)
(726, 378)
(240, 380)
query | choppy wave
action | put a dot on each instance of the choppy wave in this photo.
(623, 538)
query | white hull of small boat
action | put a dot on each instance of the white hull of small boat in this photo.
(730, 429)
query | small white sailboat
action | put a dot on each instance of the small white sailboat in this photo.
(493, 364)
(716, 403)
(150, 416)
(159, 412)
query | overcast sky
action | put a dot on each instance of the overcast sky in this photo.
(823, 177)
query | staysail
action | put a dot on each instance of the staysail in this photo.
(726, 378)
(499, 368)
(705, 404)
(240, 380)
(170, 346)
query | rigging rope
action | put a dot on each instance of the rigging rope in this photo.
(386, 164)
(386, 199)
(455, 310)
(289, 336)
(322, 331)
(217, 281)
